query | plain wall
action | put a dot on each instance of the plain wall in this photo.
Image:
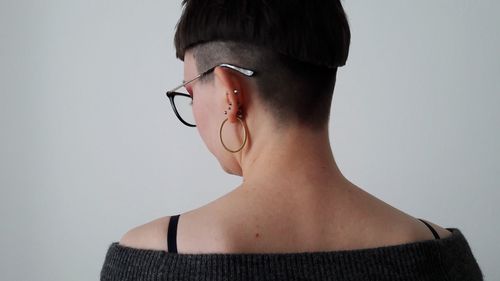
(90, 147)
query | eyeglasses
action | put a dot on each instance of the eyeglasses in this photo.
(182, 101)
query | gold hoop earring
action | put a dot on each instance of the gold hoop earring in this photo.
(244, 135)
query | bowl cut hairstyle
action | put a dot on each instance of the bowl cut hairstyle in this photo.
(294, 47)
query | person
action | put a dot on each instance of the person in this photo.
(259, 80)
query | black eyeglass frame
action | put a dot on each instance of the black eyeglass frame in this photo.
(172, 93)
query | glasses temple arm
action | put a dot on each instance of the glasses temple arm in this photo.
(185, 83)
(241, 70)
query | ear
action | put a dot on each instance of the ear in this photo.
(226, 82)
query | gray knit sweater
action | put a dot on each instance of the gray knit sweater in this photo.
(443, 259)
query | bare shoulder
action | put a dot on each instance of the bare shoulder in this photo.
(151, 235)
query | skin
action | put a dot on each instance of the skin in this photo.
(293, 197)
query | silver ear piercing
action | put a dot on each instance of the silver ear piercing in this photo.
(239, 110)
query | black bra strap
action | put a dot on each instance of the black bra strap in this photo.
(172, 234)
(436, 235)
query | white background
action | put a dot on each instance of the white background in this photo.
(90, 147)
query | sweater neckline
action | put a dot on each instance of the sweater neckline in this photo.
(456, 235)
(418, 260)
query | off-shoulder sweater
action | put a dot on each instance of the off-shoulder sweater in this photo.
(444, 259)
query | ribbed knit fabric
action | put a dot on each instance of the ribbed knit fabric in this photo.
(443, 259)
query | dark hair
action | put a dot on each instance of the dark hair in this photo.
(295, 47)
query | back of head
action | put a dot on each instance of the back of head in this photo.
(295, 47)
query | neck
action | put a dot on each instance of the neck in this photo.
(290, 159)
